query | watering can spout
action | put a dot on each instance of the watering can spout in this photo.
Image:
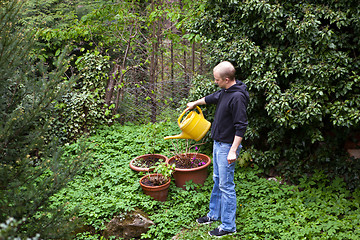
(179, 136)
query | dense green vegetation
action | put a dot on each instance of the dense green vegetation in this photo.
(314, 209)
(124, 53)
(81, 80)
(31, 166)
(300, 60)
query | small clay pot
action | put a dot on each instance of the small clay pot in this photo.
(159, 193)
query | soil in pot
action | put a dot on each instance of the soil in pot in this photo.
(152, 183)
(147, 162)
(144, 162)
(187, 162)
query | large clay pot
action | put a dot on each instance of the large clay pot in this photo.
(198, 175)
(157, 192)
(139, 169)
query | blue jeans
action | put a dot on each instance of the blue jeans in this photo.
(223, 196)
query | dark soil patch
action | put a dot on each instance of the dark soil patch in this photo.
(153, 183)
(188, 163)
(147, 162)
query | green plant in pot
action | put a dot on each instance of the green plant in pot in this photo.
(157, 183)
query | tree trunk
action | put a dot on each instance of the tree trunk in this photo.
(111, 84)
(153, 66)
(201, 70)
(193, 58)
(119, 90)
(172, 60)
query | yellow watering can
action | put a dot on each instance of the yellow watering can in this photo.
(193, 126)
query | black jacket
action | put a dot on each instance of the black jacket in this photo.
(230, 115)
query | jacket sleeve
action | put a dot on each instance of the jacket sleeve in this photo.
(213, 98)
(240, 121)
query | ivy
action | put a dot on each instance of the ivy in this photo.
(82, 109)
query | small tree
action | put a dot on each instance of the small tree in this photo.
(31, 170)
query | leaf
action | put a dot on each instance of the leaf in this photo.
(57, 53)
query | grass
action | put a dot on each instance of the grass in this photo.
(315, 209)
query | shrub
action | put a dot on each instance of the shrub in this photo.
(31, 170)
(299, 61)
(82, 109)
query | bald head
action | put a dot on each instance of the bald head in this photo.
(225, 70)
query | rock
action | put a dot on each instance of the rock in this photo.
(128, 227)
(355, 153)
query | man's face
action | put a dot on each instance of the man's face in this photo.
(219, 81)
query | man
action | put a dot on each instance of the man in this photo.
(227, 131)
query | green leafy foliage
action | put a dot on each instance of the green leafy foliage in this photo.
(54, 13)
(110, 46)
(109, 182)
(299, 61)
(31, 168)
(165, 170)
(317, 208)
(82, 109)
(108, 186)
(268, 209)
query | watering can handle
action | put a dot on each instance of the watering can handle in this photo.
(183, 113)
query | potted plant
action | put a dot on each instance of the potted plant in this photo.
(190, 165)
(143, 163)
(157, 184)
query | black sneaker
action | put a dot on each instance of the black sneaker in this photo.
(204, 220)
(217, 232)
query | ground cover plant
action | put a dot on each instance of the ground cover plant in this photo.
(267, 209)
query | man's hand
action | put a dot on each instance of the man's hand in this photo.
(190, 106)
(232, 153)
(231, 157)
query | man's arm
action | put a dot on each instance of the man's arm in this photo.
(192, 105)
(232, 153)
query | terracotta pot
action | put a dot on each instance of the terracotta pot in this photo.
(198, 175)
(139, 169)
(157, 192)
